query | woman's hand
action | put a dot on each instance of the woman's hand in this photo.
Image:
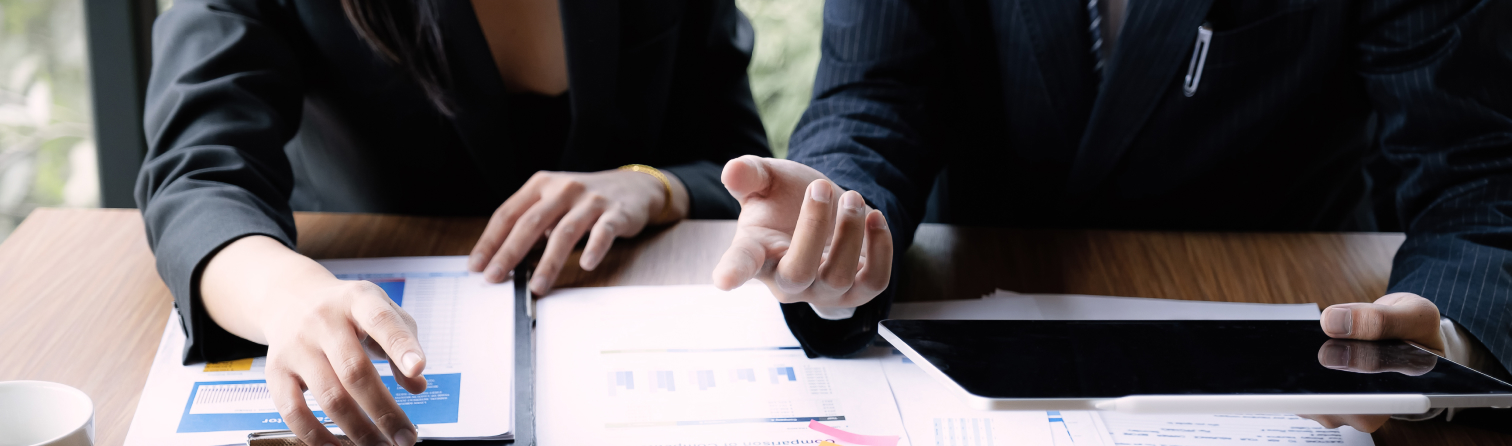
(565, 205)
(320, 331)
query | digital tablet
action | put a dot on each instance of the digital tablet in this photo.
(1185, 367)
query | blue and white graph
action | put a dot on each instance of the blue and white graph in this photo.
(695, 387)
(247, 405)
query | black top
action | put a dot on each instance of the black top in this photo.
(994, 108)
(538, 127)
(257, 108)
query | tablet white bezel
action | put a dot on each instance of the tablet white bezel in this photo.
(1352, 404)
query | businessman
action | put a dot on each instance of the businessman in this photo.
(1148, 114)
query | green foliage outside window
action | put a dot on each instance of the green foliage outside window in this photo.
(47, 155)
(782, 69)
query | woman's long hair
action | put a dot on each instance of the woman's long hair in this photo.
(408, 34)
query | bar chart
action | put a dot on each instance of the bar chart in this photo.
(248, 405)
(704, 387)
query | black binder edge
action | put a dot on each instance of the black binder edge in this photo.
(524, 369)
(524, 348)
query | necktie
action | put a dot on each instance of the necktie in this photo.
(1097, 39)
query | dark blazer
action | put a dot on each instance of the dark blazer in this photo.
(256, 108)
(994, 107)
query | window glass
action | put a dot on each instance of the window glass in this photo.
(47, 155)
(783, 66)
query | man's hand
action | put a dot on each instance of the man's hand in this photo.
(563, 206)
(807, 239)
(1404, 316)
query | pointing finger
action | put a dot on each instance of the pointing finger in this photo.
(799, 266)
(839, 268)
(877, 270)
(389, 327)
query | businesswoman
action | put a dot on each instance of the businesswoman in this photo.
(522, 109)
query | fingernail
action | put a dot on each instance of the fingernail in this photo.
(493, 273)
(404, 438)
(820, 192)
(852, 202)
(475, 260)
(1338, 321)
(880, 223)
(1335, 356)
(411, 360)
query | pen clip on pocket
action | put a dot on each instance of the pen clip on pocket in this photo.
(1199, 59)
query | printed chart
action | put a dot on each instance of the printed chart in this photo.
(231, 404)
(246, 405)
(1079, 428)
(723, 386)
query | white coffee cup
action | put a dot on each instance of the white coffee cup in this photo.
(40, 413)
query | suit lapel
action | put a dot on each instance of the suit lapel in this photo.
(1057, 33)
(1153, 48)
(592, 30)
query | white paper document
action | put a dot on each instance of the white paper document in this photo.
(692, 365)
(1225, 430)
(933, 415)
(920, 407)
(465, 327)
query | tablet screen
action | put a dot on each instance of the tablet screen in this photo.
(1110, 359)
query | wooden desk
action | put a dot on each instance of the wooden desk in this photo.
(83, 304)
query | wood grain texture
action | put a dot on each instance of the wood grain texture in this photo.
(966, 263)
(84, 305)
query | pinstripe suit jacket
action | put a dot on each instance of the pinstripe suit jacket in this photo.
(993, 107)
